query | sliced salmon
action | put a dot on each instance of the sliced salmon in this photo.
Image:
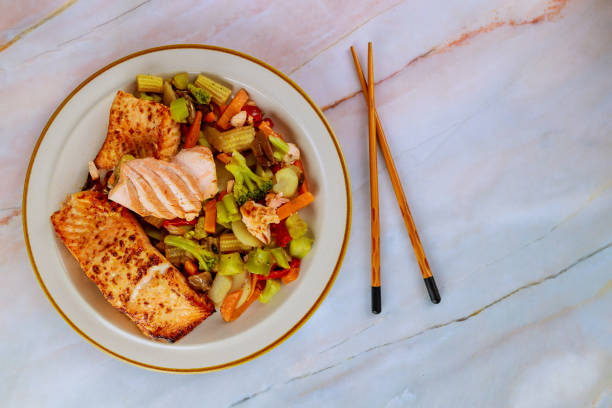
(146, 194)
(200, 163)
(159, 186)
(156, 187)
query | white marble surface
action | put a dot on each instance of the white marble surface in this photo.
(499, 114)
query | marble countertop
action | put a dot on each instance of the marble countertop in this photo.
(499, 116)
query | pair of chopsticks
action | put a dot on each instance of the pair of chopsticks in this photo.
(375, 129)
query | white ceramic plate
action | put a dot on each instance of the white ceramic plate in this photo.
(58, 167)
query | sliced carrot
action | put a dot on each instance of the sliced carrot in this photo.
(291, 276)
(210, 216)
(190, 268)
(229, 311)
(229, 305)
(268, 131)
(304, 186)
(210, 117)
(224, 158)
(194, 131)
(233, 108)
(294, 271)
(253, 297)
(294, 205)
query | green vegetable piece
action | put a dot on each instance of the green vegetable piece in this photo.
(179, 110)
(222, 216)
(287, 182)
(200, 95)
(265, 173)
(199, 232)
(243, 235)
(180, 80)
(272, 286)
(247, 185)
(206, 259)
(296, 226)
(153, 97)
(117, 170)
(230, 264)
(154, 233)
(202, 141)
(189, 234)
(281, 257)
(300, 247)
(279, 145)
(230, 205)
(145, 96)
(259, 262)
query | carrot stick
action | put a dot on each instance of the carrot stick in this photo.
(268, 131)
(210, 216)
(210, 117)
(224, 158)
(194, 131)
(254, 295)
(233, 108)
(291, 276)
(294, 205)
(229, 311)
(229, 305)
(294, 272)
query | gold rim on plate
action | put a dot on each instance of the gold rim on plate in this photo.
(304, 318)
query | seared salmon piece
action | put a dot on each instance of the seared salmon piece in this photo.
(115, 253)
(140, 128)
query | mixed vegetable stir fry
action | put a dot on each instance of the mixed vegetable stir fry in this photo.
(238, 236)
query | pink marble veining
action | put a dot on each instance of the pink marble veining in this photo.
(18, 16)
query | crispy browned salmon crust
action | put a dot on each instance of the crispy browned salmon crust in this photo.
(140, 128)
(135, 278)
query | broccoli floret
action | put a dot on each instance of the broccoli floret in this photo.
(247, 185)
(206, 259)
(200, 95)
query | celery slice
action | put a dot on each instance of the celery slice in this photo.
(281, 257)
(300, 247)
(259, 262)
(179, 110)
(180, 80)
(296, 226)
(230, 264)
(272, 286)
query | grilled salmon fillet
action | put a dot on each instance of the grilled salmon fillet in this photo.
(135, 278)
(140, 128)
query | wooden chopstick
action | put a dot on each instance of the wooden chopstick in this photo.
(375, 226)
(428, 278)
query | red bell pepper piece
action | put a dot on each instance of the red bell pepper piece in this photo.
(280, 234)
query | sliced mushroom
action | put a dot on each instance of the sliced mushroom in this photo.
(263, 150)
(169, 94)
(201, 281)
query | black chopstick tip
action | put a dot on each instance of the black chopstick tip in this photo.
(376, 303)
(432, 289)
